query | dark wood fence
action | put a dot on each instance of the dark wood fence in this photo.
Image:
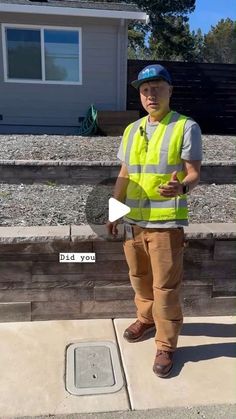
(206, 92)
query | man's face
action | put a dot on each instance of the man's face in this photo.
(155, 96)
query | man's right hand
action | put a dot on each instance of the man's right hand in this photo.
(119, 194)
(112, 227)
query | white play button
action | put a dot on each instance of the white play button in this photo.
(117, 210)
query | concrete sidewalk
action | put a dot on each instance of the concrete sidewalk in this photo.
(202, 384)
(223, 411)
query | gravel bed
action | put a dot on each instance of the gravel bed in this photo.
(54, 147)
(41, 204)
(52, 204)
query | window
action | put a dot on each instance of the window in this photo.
(24, 54)
(61, 55)
(46, 55)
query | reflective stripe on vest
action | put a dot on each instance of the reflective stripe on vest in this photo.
(146, 203)
(143, 196)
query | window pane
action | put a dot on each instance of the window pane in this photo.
(61, 55)
(23, 54)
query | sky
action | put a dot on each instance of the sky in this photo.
(208, 13)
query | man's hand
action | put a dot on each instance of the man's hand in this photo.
(119, 194)
(112, 227)
(172, 188)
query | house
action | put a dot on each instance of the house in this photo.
(57, 57)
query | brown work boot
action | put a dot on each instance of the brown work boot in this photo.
(163, 363)
(137, 330)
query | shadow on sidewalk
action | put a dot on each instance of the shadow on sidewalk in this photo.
(204, 352)
(209, 329)
(201, 329)
(201, 353)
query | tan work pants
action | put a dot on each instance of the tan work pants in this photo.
(155, 260)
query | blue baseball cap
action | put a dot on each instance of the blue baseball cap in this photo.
(152, 72)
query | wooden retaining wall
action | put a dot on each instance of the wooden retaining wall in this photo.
(77, 172)
(35, 286)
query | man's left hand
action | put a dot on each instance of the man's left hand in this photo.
(172, 188)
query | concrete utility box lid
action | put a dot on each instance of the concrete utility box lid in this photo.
(93, 368)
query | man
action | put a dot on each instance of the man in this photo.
(161, 158)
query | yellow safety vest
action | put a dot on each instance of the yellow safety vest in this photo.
(151, 163)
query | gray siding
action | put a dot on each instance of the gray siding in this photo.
(104, 72)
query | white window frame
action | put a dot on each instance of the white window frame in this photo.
(41, 28)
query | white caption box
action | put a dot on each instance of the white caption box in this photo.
(77, 257)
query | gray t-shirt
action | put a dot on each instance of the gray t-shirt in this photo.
(191, 150)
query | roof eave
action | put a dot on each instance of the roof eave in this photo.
(73, 11)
